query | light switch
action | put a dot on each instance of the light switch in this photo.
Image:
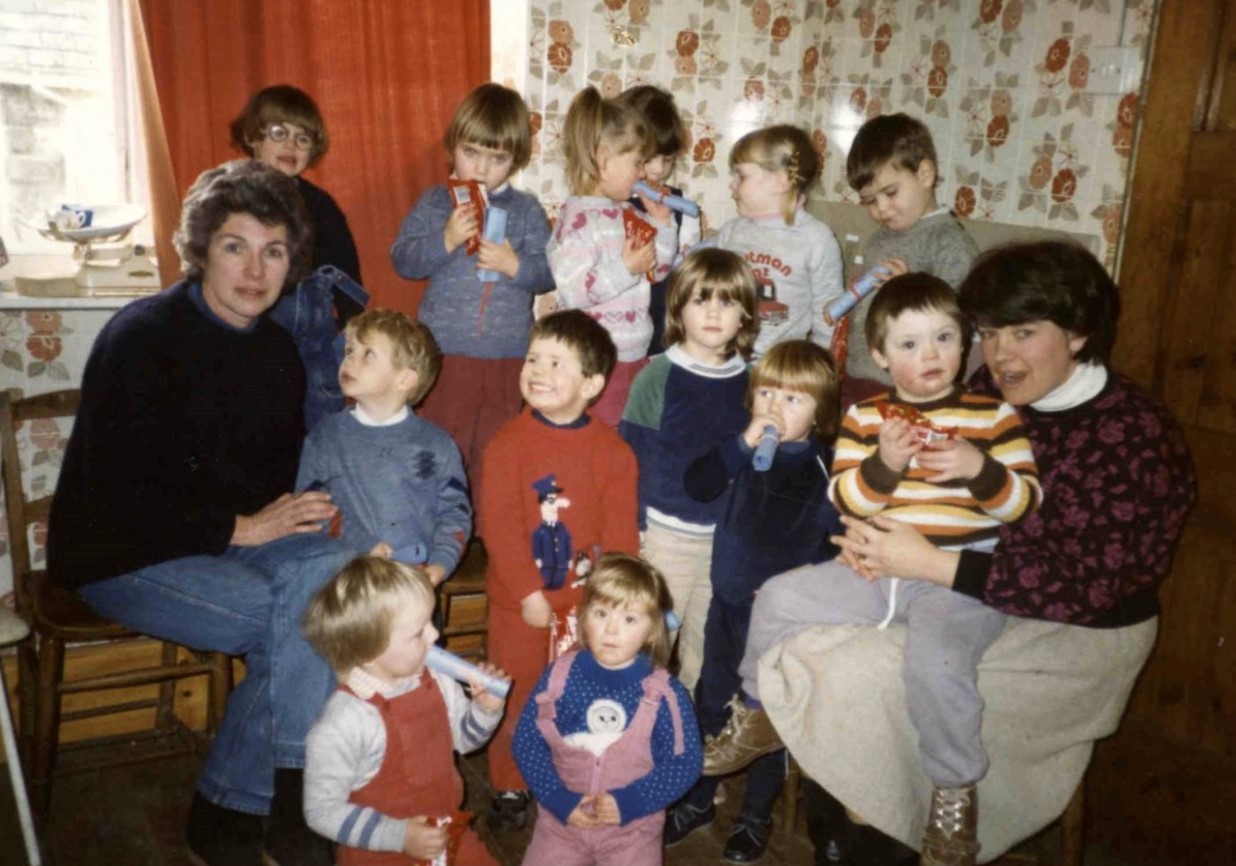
(1114, 69)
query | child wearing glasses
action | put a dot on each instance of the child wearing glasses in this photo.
(282, 127)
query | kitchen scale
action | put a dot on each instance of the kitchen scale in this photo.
(108, 264)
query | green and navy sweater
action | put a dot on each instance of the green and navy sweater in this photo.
(677, 411)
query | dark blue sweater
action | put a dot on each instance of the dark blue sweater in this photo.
(184, 423)
(772, 521)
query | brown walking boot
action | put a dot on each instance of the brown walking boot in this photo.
(748, 735)
(951, 837)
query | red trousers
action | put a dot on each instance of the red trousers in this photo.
(523, 652)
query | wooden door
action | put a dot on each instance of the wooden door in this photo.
(1178, 338)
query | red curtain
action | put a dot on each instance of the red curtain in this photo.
(387, 75)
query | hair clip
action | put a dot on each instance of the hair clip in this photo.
(672, 622)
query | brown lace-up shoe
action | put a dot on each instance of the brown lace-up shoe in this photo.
(748, 735)
(951, 837)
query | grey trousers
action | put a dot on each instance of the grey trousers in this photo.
(947, 634)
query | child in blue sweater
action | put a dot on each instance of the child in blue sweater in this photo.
(772, 521)
(681, 405)
(482, 327)
(396, 478)
(608, 739)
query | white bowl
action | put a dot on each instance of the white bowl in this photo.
(109, 221)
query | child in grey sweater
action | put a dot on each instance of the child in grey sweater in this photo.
(892, 166)
(397, 479)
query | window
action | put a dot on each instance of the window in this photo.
(69, 128)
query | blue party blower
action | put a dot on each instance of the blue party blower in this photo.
(671, 201)
(448, 664)
(765, 449)
(848, 299)
(495, 233)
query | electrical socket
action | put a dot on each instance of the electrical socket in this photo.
(1114, 69)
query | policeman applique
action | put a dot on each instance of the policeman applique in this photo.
(551, 540)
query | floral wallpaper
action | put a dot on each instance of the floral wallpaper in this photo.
(41, 350)
(1004, 85)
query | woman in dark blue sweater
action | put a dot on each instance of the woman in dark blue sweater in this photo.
(173, 515)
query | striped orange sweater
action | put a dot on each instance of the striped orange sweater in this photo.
(952, 514)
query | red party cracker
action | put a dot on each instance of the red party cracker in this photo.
(469, 192)
(636, 228)
(455, 825)
(926, 431)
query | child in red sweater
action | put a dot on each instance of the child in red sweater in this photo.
(558, 488)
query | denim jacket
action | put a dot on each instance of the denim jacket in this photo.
(307, 313)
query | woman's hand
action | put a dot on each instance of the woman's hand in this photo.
(641, 259)
(536, 611)
(951, 460)
(463, 224)
(421, 841)
(898, 444)
(486, 700)
(882, 547)
(382, 550)
(290, 514)
(498, 257)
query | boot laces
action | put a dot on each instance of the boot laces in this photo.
(948, 810)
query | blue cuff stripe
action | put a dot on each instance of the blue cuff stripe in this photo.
(345, 831)
(367, 833)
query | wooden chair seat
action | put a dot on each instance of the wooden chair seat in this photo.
(468, 581)
(58, 617)
(63, 614)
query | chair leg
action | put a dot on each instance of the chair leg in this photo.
(789, 795)
(1073, 828)
(220, 687)
(46, 723)
(27, 680)
(165, 709)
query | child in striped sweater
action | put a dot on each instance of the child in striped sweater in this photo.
(954, 465)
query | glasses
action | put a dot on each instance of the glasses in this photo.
(278, 133)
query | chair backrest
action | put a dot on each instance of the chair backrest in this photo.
(852, 225)
(23, 511)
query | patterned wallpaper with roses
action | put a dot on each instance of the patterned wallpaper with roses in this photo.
(1002, 84)
(41, 350)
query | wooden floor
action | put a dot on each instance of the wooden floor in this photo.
(1147, 807)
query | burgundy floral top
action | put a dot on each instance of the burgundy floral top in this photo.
(1117, 483)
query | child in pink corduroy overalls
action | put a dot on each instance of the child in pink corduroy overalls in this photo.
(609, 739)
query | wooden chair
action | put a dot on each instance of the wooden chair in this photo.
(467, 585)
(58, 617)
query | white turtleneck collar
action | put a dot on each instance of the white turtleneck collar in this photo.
(368, 420)
(1086, 381)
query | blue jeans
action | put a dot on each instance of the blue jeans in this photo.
(307, 313)
(247, 602)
